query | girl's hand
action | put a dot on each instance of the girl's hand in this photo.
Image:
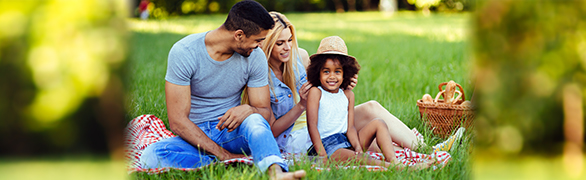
(358, 150)
(321, 161)
(353, 82)
(323, 154)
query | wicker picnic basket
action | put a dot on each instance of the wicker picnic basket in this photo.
(443, 118)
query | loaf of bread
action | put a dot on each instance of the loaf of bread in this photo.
(450, 92)
(466, 104)
(427, 99)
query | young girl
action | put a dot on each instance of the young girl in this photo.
(330, 109)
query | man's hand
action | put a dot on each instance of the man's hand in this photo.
(234, 117)
(231, 156)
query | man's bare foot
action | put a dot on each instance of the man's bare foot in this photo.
(277, 173)
(289, 175)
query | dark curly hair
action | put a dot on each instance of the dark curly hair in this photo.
(249, 16)
(350, 67)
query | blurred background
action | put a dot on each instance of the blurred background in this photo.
(61, 89)
(167, 8)
(530, 62)
(62, 81)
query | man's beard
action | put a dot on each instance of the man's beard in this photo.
(244, 52)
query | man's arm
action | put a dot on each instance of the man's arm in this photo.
(178, 105)
(260, 102)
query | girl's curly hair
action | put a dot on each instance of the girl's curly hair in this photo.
(349, 65)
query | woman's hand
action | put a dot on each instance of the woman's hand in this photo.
(303, 92)
(353, 82)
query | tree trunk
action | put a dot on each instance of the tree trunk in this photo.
(339, 6)
(351, 5)
(365, 5)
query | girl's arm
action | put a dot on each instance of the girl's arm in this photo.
(352, 134)
(312, 115)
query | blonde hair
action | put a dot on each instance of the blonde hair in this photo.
(289, 68)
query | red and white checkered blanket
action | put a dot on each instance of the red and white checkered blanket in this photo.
(147, 129)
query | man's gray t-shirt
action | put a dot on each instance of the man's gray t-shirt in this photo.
(216, 86)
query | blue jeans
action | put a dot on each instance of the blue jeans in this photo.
(333, 143)
(252, 137)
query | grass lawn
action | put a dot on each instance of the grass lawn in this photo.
(67, 167)
(402, 57)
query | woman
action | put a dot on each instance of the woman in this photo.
(289, 88)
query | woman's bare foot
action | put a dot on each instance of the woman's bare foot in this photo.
(422, 165)
(276, 173)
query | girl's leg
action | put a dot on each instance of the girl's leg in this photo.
(400, 133)
(347, 155)
(378, 129)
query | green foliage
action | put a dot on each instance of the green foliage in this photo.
(166, 8)
(60, 64)
(526, 54)
(402, 58)
(456, 5)
(424, 3)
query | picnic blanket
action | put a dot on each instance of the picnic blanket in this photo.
(148, 129)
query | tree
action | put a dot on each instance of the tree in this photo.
(424, 5)
(530, 64)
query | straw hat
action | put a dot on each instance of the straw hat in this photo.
(332, 45)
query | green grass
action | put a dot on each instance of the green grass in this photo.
(70, 167)
(402, 57)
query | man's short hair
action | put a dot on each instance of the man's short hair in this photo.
(249, 16)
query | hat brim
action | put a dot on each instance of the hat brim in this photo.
(331, 52)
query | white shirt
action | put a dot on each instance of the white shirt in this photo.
(332, 113)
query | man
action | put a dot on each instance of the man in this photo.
(206, 74)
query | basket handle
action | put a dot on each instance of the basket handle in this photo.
(438, 95)
(461, 90)
(455, 99)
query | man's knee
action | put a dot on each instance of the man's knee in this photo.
(151, 156)
(158, 150)
(255, 120)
